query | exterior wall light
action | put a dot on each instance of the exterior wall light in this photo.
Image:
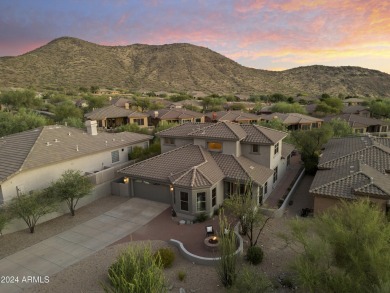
(171, 188)
(126, 180)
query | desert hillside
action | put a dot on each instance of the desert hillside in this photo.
(70, 62)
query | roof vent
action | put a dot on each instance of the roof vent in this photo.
(56, 140)
(77, 147)
(113, 139)
(251, 167)
(69, 133)
(48, 144)
(106, 142)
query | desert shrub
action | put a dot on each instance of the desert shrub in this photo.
(227, 265)
(181, 275)
(166, 256)
(136, 270)
(254, 255)
(200, 218)
(250, 280)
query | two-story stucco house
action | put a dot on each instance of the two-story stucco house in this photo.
(32, 159)
(202, 164)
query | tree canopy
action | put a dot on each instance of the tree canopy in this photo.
(345, 249)
(284, 107)
(20, 121)
(71, 186)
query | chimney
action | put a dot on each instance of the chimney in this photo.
(91, 127)
(127, 106)
(155, 114)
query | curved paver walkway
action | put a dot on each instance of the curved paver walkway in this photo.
(37, 263)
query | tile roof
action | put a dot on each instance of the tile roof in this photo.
(120, 102)
(113, 111)
(241, 168)
(292, 118)
(232, 116)
(248, 133)
(261, 134)
(182, 130)
(53, 144)
(372, 154)
(357, 120)
(351, 181)
(354, 166)
(189, 166)
(176, 113)
(193, 166)
(221, 130)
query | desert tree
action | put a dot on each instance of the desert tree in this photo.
(30, 207)
(345, 249)
(70, 187)
(245, 209)
(341, 128)
(309, 143)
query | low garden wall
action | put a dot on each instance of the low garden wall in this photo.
(209, 261)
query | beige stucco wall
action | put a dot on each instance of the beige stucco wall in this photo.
(179, 142)
(42, 177)
(262, 158)
(131, 121)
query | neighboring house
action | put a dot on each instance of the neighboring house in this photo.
(202, 164)
(121, 102)
(357, 109)
(32, 159)
(175, 116)
(352, 168)
(113, 116)
(353, 101)
(294, 121)
(232, 116)
(361, 124)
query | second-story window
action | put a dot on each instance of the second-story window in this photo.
(214, 146)
(276, 148)
(169, 140)
(275, 174)
(255, 148)
(115, 156)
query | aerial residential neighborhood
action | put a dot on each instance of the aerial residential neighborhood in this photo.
(194, 146)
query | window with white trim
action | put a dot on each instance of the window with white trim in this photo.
(276, 150)
(214, 197)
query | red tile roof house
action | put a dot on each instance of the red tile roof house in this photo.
(113, 116)
(352, 168)
(294, 121)
(32, 159)
(202, 164)
(176, 115)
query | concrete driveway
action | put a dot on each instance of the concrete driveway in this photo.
(37, 263)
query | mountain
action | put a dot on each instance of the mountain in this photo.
(71, 63)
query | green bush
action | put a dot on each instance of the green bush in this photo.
(166, 256)
(254, 255)
(200, 218)
(181, 275)
(136, 270)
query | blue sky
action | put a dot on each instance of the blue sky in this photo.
(265, 34)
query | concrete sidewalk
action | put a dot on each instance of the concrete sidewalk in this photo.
(37, 263)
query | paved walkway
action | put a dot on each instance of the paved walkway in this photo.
(36, 263)
(285, 182)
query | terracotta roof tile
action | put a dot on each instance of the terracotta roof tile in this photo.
(221, 130)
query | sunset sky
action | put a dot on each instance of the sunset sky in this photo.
(265, 34)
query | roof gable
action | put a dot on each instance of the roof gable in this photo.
(113, 111)
(221, 130)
